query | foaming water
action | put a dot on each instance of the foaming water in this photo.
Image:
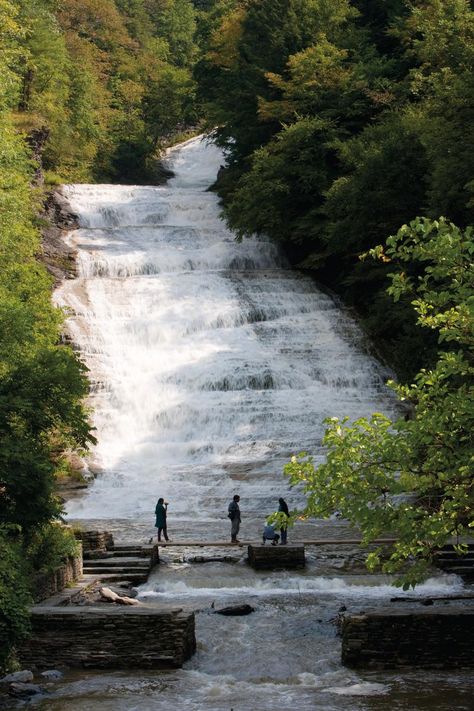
(209, 358)
(211, 363)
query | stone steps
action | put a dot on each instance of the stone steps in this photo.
(129, 552)
(129, 570)
(121, 562)
(132, 575)
(118, 563)
(104, 555)
(449, 560)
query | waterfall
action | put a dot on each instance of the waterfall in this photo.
(211, 361)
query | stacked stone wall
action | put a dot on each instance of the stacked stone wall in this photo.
(95, 541)
(48, 584)
(387, 639)
(268, 557)
(108, 638)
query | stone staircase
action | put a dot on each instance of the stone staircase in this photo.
(121, 562)
(451, 562)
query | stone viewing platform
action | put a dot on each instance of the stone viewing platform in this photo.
(431, 638)
(80, 627)
(243, 544)
(108, 637)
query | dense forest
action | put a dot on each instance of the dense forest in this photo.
(341, 122)
(348, 128)
(89, 91)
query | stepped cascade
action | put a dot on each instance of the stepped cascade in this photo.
(212, 362)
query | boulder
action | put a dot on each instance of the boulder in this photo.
(52, 675)
(20, 676)
(236, 610)
(23, 690)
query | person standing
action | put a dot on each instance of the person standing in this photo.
(234, 515)
(283, 508)
(160, 523)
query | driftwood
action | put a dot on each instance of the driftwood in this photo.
(111, 596)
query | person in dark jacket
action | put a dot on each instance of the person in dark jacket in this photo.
(283, 508)
(269, 534)
(160, 523)
(234, 515)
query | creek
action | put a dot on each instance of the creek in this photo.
(212, 362)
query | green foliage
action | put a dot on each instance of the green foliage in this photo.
(103, 77)
(411, 477)
(94, 86)
(42, 385)
(282, 193)
(390, 86)
(15, 596)
(50, 546)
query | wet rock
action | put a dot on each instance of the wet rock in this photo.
(212, 559)
(125, 585)
(20, 676)
(236, 610)
(23, 690)
(52, 675)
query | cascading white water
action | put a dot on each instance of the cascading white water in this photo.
(211, 361)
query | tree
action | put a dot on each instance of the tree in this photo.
(412, 476)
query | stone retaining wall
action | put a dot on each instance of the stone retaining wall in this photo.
(93, 541)
(48, 584)
(271, 557)
(389, 639)
(108, 638)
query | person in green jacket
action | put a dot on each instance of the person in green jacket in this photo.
(160, 523)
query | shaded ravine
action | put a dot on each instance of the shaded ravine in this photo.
(212, 362)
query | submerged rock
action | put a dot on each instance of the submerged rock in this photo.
(22, 690)
(20, 676)
(236, 610)
(52, 675)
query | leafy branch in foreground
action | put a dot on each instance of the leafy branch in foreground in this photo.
(414, 476)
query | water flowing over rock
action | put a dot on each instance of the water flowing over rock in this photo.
(211, 361)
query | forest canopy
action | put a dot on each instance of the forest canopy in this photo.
(345, 123)
(342, 121)
(349, 130)
(89, 90)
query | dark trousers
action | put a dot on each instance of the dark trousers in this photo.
(284, 533)
(164, 531)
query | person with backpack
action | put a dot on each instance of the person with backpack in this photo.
(234, 515)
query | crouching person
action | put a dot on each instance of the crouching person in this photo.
(269, 534)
